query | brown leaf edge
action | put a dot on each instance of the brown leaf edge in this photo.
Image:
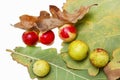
(112, 72)
(28, 64)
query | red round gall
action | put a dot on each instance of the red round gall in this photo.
(67, 32)
(30, 38)
(47, 37)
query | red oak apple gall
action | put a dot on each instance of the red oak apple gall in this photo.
(47, 37)
(67, 32)
(30, 38)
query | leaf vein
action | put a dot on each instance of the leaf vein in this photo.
(48, 62)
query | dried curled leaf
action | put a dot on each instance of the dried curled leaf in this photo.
(26, 22)
(48, 24)
(45, 22)
(112, 70)
(68, 17)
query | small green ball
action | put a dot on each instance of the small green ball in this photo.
(78, 50)
(99, 57)
(41, 68)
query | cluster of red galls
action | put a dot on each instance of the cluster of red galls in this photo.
(67, 33)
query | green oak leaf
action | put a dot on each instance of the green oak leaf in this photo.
(27, 55)
(82, 65)
(100, 28)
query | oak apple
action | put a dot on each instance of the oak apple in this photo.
(47, 38)
(30, 38)
(41, 68)
(67, 32)
(77, 50)
(99, 57)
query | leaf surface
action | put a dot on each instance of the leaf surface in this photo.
(27, 55)
(100, 28)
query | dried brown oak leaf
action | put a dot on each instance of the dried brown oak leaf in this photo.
(71, 18)
(112, 70)
(26, 22)
(45, 22)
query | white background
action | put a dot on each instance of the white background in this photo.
(10, 37)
